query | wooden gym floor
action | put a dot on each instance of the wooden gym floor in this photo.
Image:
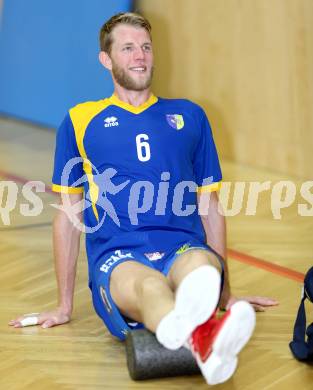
(81, 354)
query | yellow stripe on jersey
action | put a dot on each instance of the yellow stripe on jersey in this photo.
(128, 107)
(81, 115)
(67, 190)
(209, 188)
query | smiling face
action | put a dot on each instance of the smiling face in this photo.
(131, 58)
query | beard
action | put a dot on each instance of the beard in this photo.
(127, 82)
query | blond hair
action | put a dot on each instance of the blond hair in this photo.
(129, 18)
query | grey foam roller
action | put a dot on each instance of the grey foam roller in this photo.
(147, 358)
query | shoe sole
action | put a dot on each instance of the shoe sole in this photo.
(233, 336)
(196, 299)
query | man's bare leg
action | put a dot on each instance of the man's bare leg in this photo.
(146, 295)
(141, 293)
(217, 343)
(195, 277)
(189, 261)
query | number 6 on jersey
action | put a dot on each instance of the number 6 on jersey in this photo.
(143, 148)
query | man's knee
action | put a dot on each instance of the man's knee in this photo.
(149, 284)
(132, 284)
(122, 279)
(197, 257)
(130, 280)
(200, 257)
(189, 261)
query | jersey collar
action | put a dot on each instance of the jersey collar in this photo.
(128, 107)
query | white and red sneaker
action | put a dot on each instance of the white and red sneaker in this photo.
(216, 343)
(196, 300)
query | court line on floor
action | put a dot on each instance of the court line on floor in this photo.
(26, 226)
(233, 254)
(266, 265)
(23, 180)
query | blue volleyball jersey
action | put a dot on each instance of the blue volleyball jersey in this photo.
(140, 169)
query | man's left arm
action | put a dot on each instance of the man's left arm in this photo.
(215, 229)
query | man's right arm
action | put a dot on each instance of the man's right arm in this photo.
(66, 242)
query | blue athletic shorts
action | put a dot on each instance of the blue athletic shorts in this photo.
(117, 323)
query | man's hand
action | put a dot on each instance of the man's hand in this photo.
(45, 319)
(259, 303)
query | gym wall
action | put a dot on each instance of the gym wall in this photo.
(249, 63)
(49, 56)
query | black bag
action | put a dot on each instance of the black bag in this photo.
(302, 346)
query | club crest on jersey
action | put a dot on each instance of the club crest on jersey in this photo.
(110, 121)
(175, 120)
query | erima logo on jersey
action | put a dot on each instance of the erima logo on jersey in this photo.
(110, 121)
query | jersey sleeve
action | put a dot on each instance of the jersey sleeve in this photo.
(207, 168)
(68, 167)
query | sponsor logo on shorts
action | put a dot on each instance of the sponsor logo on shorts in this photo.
(153, 256)
(105, 299)
(183, 248)
(118, 255)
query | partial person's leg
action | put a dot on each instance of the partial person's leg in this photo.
(189, 261)
(141, 293)
(217, 341)
(197, 286)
